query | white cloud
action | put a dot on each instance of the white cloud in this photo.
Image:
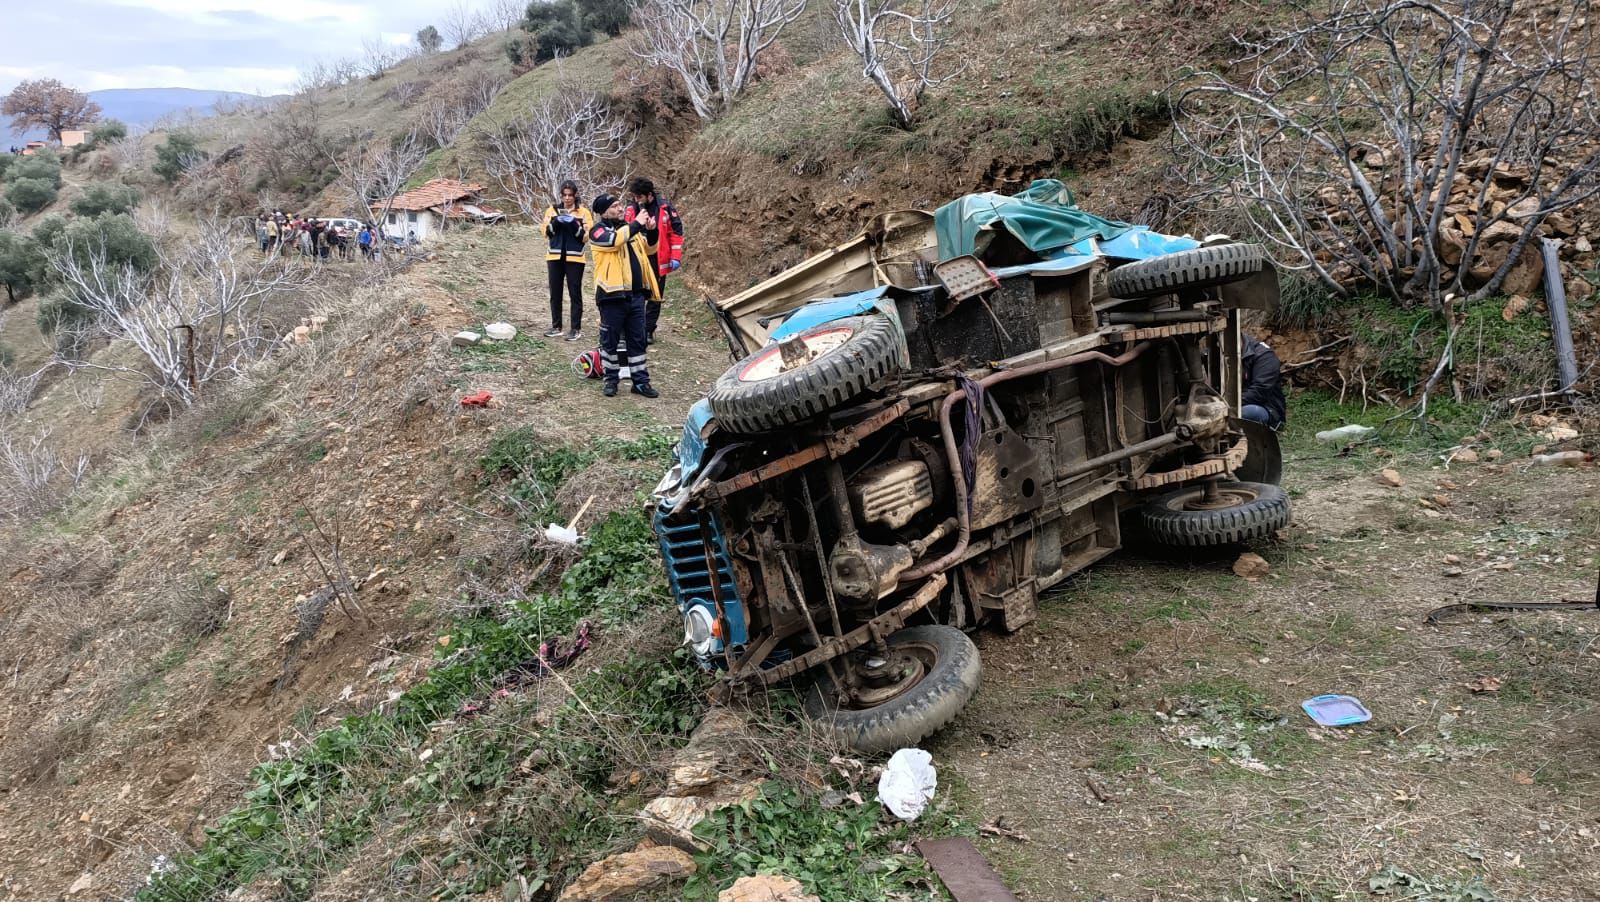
(225, 45)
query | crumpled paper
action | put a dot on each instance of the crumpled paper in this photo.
(907, 784)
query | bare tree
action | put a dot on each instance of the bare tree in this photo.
(462, 24)
(571, 134)
(712, 45)
(504, 15)
(1409, 146)
(374, 170)
(34, 477)
(379, 56)
(129, 152)
(205, 300)
(445, 116)
(898, 41)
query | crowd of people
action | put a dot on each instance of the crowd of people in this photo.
(315, 238)
(637, 243)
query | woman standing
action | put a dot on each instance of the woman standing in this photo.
(566, 223)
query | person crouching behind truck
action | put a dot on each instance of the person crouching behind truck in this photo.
(624, 282)
(1262, 399)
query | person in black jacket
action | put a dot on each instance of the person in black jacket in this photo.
(1262, 400)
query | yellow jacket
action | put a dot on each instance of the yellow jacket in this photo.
(619, 250)
(566, 239)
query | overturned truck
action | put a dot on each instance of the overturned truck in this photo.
(930, 425)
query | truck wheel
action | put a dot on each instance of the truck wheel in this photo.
(1243, 512)
(805, 375)
(933, 673)
(1197, 268)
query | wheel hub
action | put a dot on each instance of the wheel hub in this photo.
(882, 678)
(1217, 500)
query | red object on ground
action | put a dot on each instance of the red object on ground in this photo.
(477, 399)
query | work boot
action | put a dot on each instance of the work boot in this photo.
(610, 390)
(645, 390)
(574, 335)
(553, 331)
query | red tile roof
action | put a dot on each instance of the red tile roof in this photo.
(434, 193)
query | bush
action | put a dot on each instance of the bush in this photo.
(557, 28)
(606, 16)
(175, 155)
(48, 229)
(105, 197)
(123, 241)
(30, 195)
(7, 211)
(106, 132)
(5, 163)
(42, 165)
(21, 265)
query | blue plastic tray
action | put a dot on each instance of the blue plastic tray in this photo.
(1336, 710)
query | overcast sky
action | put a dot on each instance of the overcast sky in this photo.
(255, 46)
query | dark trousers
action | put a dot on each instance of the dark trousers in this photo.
(652, 309)
(622, 325)
(570, 274)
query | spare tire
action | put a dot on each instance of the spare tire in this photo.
(1198, 268)
(829, 364)
(1244, 512)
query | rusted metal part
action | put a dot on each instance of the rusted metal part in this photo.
(754, 656)
(1095, 463)
(845, 440)
(1010, 478)
(881, 625)
(965, 872)
(953, 453)
(821, 555)
(836, 445)
(1215, 466)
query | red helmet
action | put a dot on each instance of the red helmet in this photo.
(588, 364)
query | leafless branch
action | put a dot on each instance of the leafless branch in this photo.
(1407, 146)
(898, 42)
(711, 45)
(373, 171)
(571, 134)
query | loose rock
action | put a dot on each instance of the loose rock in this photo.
(1389, 477)
(766, 888)
(627, 874)
(1251, 566)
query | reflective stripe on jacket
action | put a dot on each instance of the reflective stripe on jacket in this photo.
(567, 238)
(622, 255)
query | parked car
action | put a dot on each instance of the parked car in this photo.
(350, 226)
(937, 421)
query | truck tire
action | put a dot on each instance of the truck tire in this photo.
(951, 671)
(1197, 268)
(845, 358)
(1252, 511)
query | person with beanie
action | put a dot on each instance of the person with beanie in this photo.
(566, 222)
(624, 282)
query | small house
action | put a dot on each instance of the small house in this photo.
(33, 147)
(425, 211)
(72, 137)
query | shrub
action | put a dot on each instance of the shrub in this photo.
(176, 155)
(21, 265)
(105, 197)
(5, 163)
(105, 132)
(557, 28)
(606, 16)
(30, 195)
(42, 165)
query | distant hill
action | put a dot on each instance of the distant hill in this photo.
(147, 106)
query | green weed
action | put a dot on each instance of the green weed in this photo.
(844, 854)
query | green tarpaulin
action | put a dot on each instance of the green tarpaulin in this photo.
(1042, 218)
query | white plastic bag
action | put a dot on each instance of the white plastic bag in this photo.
(564, 535)
(907, 784)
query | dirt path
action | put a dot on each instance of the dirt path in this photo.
(1146, 735)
